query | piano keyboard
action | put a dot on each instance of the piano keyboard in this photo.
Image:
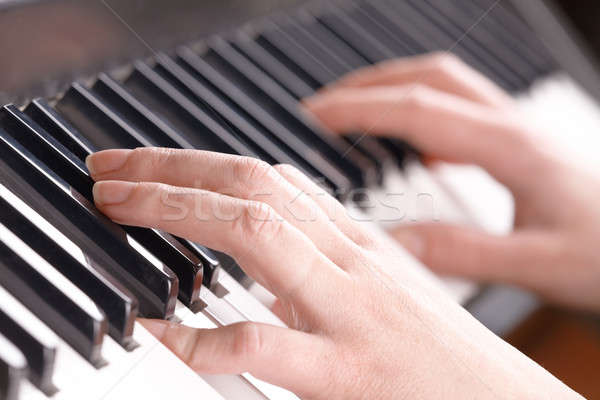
(72, 282)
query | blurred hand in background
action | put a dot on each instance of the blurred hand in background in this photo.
(452, 113)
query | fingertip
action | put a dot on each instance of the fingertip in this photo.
(106, 161)
(112, 192)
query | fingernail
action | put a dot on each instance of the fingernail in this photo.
(112, 192)
(411, 241)
(106, 161)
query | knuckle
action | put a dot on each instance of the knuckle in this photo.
(259, 220)
(417, 97)
(254, 173)
(287, 170)
(251, 169)
(151, 158)
(445, 62)
(247, 340)
(157, 187)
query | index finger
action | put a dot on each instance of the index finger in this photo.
(441, 71)
(272, 251)
(439, 124)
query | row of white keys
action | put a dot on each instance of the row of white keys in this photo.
(150, 371)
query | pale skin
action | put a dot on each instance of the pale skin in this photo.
(363, 321)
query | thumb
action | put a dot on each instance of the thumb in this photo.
(268, 352)
(519, 258)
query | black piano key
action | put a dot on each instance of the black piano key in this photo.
(402, 151)
(212, 265)
(351, 59)
(171, 252)
(120, 306)
(63, 308)
(53, 122)
(493, 44)
(403, 18)
(229, 117)
(113, 93)
(33, 340)
(101, 240)
(355, 35)
(229, 265)
(91, 116)
(46, 148)
(167, 102)
(206, 84)
(158, 130)
(264, 60)
(282, 57)
(187, 264)
(367, 146)
(166, 248)
(516, 36)
(380, 28)
(511, 25)
(320, 53)
(13, 369)
(122, 100)
(372, 148)
(463, 38)
(40, 111)
(269, 95)
(411, 21)
(290, 39)
(399, 38)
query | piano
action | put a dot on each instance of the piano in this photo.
(78, 76)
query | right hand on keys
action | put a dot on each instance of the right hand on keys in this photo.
(451, 112)
(364, 321)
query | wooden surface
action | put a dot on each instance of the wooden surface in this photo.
(565, 343)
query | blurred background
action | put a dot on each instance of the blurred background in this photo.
(544, 52)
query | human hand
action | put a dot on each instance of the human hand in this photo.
(364, 321)
(452, 113)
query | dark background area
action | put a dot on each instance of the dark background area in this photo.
(585, 15)
(585, 18)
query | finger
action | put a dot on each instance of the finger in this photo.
(284, 357)
(522, 258)
(333, 209)
(241, 177)
(442, 71)
(273, 252)
(438, 124)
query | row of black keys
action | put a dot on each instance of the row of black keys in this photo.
(245, 92)
(237, 96)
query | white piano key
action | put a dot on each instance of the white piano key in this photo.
(150, 371)
(51, 274)
(30, 392)
(141, 372)
(13, 369)
(11, 307)
(41, 223)
(248, 305)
